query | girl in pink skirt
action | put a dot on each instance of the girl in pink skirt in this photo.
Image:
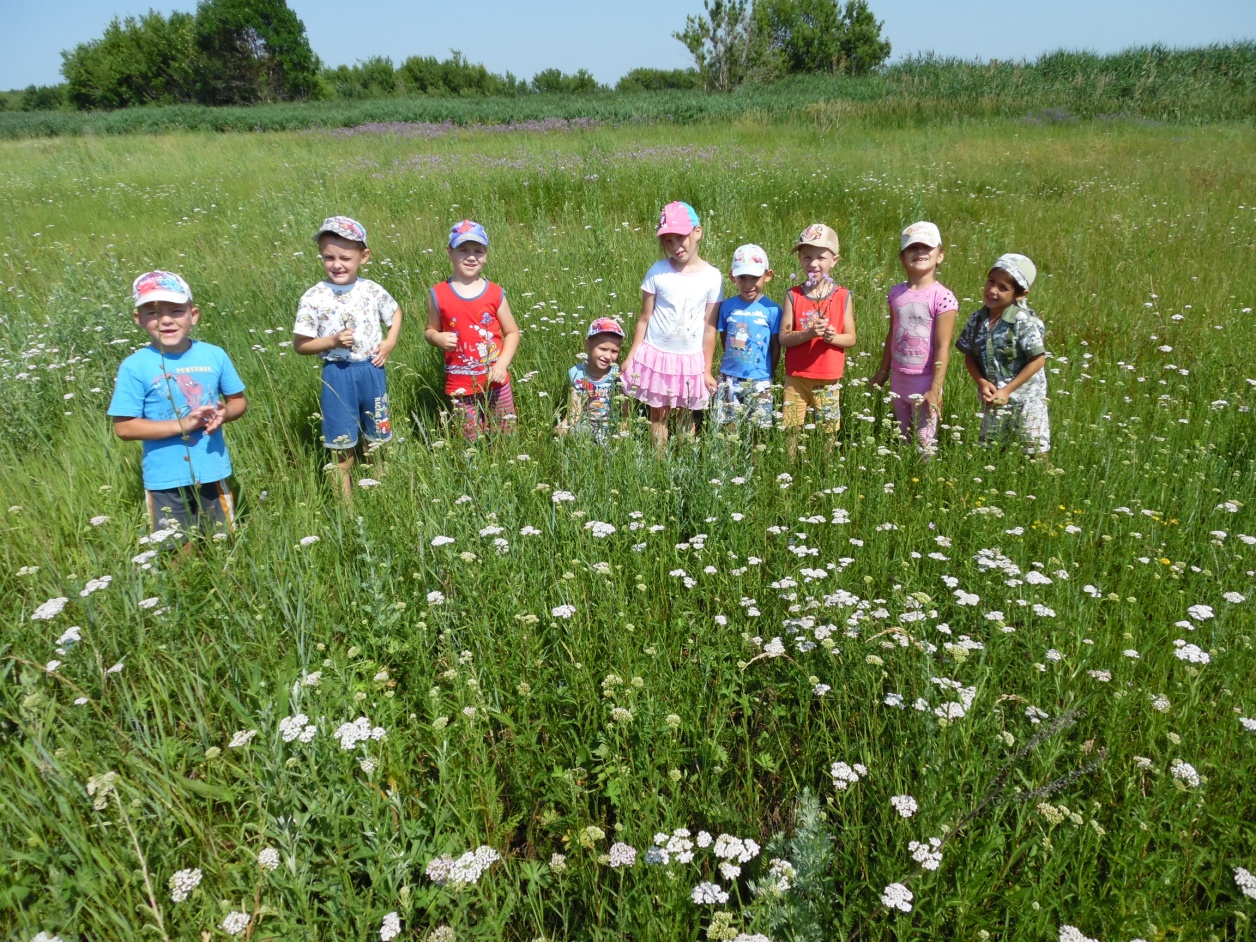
(669, 363)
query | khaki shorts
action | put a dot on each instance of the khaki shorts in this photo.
(822, 395)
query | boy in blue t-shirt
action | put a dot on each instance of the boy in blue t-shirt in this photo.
(748, 324)
(175, 395)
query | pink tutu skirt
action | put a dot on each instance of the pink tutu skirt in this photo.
(666, 380)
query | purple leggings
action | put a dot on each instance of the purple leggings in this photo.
(915, 418)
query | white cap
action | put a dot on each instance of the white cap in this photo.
(749, 259)
(925, 233)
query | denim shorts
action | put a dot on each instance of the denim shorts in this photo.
(354, 401)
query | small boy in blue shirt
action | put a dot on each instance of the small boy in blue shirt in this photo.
(748, 324)
(175, 395)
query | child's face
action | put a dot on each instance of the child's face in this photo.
(169, 323)
(1001, 290)
(468, 260)
(341, 258)
(816, 262)
(681, 248)
(919, 259)
(603, 351)
(750, 287)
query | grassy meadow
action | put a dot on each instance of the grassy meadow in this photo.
(746, 711)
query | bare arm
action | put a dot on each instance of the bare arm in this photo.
(498, 372)
(943, 329)
(883, 371)
(790, 337)
(574, 408)
(380, 357)
(445, 340)
(1020, 379)
(708, 344)
(643, 321)
(310, 345)
(207, 419)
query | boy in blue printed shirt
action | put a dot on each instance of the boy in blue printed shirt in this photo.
(175, 395)
(748, 324)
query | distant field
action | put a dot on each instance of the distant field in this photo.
(1055, 663)
(1192, 86)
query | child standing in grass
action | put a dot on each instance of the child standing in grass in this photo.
(167, 395)
(817, 328)
(590, 404)
(669, 364)
(749, 324)
(469, 319)
(1003, 347)
(918, 344)
(342, 320)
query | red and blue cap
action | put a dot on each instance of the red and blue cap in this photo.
(160, 286)
(468, 230)
(344, 227)
(605, 325)
(678, 219)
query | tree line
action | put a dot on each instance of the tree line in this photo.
(241, 52)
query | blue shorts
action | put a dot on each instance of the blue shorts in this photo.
(354, 401)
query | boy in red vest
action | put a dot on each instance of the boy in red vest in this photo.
(817, 327)
(469, 319)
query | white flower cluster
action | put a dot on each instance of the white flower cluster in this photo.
(1248, 724)
(927, 855)
(897, 896)
(390, 928)
(95, 585)
(622, 855)
(1073, 934)
(1184, 772)
(440, 540)
(781, 875)
(99, 788)
(1192, 653)
(563, 611)
(466, 870)
(1246, 881)
(234, 922)
(297, 727)
(1200, 612)
(905, 805)
(845, 775)
(741, 850)
(268, 858)
(50, 609)
(242, 737)
(676, 847)
(709, 894)
(183, 883)
(600, 530)
(360, 730)
(45, 937)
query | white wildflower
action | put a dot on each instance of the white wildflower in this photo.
(897, 896)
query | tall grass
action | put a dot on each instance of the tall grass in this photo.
(652, 707)
(1214, 83)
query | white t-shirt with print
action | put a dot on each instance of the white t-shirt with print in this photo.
(364, 307)
(680, 303)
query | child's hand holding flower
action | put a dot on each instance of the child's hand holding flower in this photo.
(342, 339)
(216, 418)
(446, 340)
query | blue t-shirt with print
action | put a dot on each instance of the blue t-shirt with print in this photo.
(748, 329)
(162, 387)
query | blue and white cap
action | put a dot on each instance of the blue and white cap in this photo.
(160, 286)
(467, 230)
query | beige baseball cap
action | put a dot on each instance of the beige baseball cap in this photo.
(819, 235)
(924, 233)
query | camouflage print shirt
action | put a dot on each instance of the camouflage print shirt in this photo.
(1003, 350)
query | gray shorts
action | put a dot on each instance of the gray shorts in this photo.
(206, 507)
(748, 400)
(1025, 421)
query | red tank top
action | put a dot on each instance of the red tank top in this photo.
(479, 332)
(817, 359)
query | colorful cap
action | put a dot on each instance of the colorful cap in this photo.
(1022, 270)
(344, 227)
(605, 325)
(749, 259)
(820, 236)
(678, 219)
(468, 230)
(160, 286)
(923, 233)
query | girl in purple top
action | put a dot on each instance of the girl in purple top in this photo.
(918, 345)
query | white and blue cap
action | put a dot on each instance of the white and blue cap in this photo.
(749, 259)
(344, 227)
(467, 230)
(160, 286)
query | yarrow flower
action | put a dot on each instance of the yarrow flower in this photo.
(1073, 934)
(442, 540)
(95, 585)
(1200, 612)
(709, 894)
(183, 882)
(897, 896)
(905, 805)
(563, 611)
(622, 855)
(464, 871)
(600, 530)
(234, 922)
(310, 540)
(845, 775)
(1246, 881)
(1185, 772)
(268, 858)
(390, 928)
(241, 738)
(360, 730)
(927, 855)
(436, 597)
(1191, 652)
(297, 727)
(49, 610)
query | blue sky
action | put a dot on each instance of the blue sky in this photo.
(608, 39)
